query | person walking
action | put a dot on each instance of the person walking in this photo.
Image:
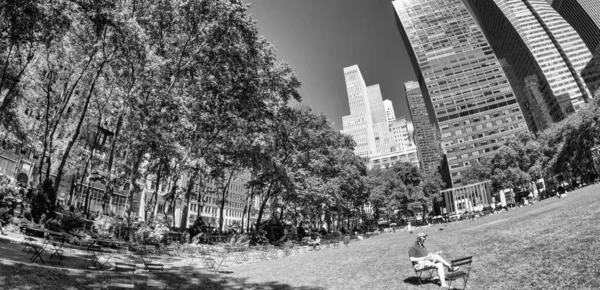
(421, 258)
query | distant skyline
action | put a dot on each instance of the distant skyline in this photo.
(320, 38)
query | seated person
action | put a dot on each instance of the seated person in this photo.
(421, 258)
(315, 242)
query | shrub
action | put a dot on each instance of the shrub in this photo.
(105, 225)
(153, 232)
(72, 223)
(53, 225)
(332, 236)
(198, 227)
(39, 207)
(11, 228)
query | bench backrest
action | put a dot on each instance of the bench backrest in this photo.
(462, 261)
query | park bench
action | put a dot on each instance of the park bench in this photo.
(464, 263)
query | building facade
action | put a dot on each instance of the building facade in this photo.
(389, 111)
(591, 74)
(535, 40)
(428, 146)
(468, 198)
(584, 16)
(359, 124)
(208, 207)
(372, 123)
(387, 160)
(462, 82)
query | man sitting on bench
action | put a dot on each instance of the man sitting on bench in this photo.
(422, 259)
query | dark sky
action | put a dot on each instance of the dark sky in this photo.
(321, 37)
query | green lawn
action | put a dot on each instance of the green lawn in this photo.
(553, 244)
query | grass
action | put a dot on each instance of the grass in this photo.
(553, 244)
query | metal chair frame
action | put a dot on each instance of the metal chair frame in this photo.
(463, 263)
(57, 249)
(38, 251)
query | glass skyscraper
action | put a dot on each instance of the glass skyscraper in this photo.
(535, 40)
(584, 16)
(462, 82)
(428, 145)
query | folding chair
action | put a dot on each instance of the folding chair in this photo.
(38, 250)
(92, 257)
(150, 249)
(57, 249)
(29, 239)
(244, 254)
(263, 252)
(223, 255)
(151, 264)
(425, 273)
(210, 263)
(463, 263)
(123, 267)
(106, 254)
(28, 243)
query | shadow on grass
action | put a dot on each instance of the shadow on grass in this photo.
(415, 281)
(16, 272)
(22, 276)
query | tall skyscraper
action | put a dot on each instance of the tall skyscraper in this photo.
(359, 124)
(428, 147)
(462, 82)
(378, 137)
(591, 74)
(584, 16)
(535, 40)
(389, 111)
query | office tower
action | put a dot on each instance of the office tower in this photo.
(535, 110)
(591, 74)
(402, 133)
(382, 140)
(535, 40)
(584, 16)
(428, 147)
(389, 111)
(359, 124)
(541, 110)
(462, 82)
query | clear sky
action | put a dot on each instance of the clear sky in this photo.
(321, 37)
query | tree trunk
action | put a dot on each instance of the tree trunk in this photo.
(109, 182)
(75, 136)
(154, 197)
(224, 200)
(188, 196)
(134, 188)
(72, 188)
(92, 152)
(263, 204)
